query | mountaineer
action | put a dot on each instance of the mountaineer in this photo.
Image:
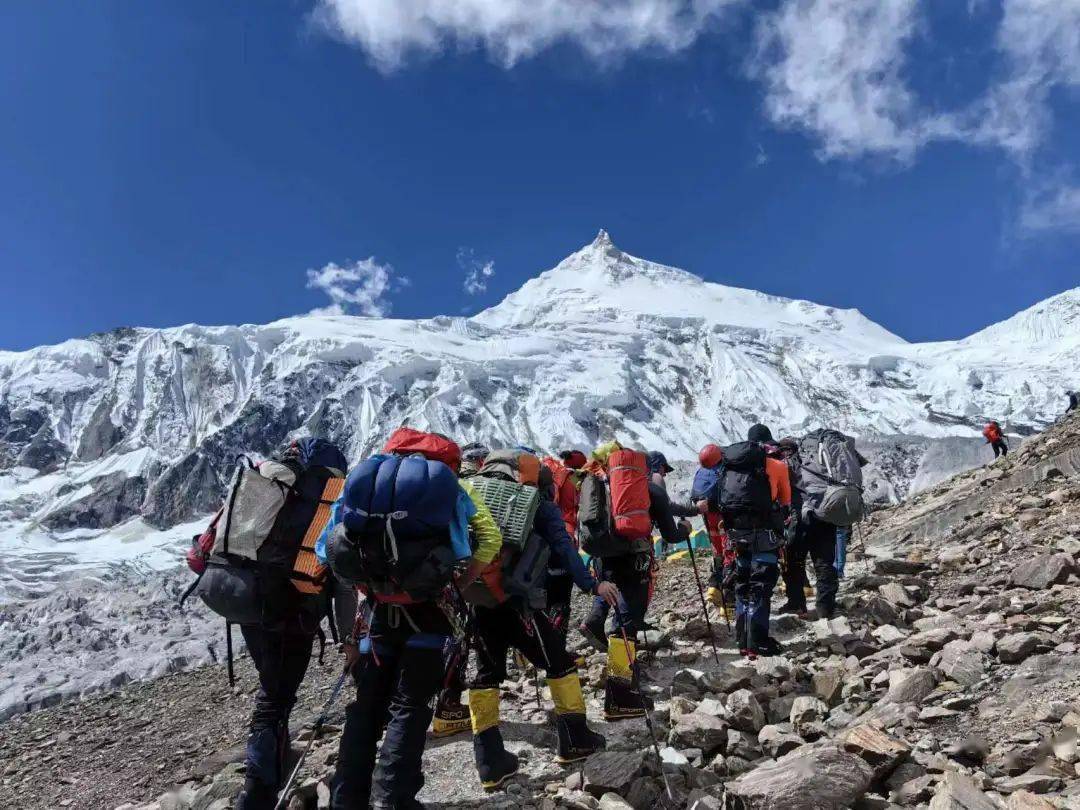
(996, 439)
(508, 606)
(405, 520)
(753, 497)
(618, 507)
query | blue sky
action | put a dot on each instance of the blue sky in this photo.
(169, 162)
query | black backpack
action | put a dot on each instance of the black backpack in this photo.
(743, 494)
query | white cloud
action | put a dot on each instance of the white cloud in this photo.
(390, 31)
(1054, 208)
(835, 68)
(477, 273)
(361, 287)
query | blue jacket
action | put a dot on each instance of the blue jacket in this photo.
(549, 524)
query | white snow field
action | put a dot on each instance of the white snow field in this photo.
(95, 433)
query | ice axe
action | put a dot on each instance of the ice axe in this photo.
(632, 659)
(283, 797)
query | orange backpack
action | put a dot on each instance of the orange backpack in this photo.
(628, 485)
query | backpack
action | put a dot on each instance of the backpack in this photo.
(705, 479)
(628, 485)
(394, 538)
(507, 484)
(992, 432)
(613, 512)
(566, 493)
(743, 494)
(830, 478)
(432, 446)
(257, 570)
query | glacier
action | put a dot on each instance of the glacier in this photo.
(109, 441)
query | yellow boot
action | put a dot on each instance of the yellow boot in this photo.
(451, 717)
(621, 700)
(576, 740)
(494, 763)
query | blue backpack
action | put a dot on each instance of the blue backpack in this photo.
(394, 537)
(704, 480)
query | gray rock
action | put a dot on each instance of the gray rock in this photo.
(1014, 648)
(775, 742)
(910, 685)
(961, 662)
(806, 711)
(883, 752)
(828, 684)
(613, 771)
(744, 711)
(810, 778)
(1041, 572)
(959, 792)
(699, 730)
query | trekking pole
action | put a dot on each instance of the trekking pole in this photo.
(704, 605)
(648, 717)
(284, 795)
(229, 654)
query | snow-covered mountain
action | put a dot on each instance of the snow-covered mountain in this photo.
(108, 441)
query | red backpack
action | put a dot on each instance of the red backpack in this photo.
(628, 485)
(992, 432)
(432, 446)
(566, 494)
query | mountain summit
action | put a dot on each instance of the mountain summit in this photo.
(145, 423)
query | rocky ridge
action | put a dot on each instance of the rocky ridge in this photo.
(951, 682)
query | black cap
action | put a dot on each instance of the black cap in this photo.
(759, 434)
(658, 462)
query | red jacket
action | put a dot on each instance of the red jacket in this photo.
(992, 432)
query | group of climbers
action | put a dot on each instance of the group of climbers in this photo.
(433, 555)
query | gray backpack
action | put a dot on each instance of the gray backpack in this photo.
(830, 478)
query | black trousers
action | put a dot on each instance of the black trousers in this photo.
(631, 574)
(281, 660)
(560, 589)
(1000, 448)
(399, 673)
(820, 540)
(502, 628)
(755, 579)
(794, 570)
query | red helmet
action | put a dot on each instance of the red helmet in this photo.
(574, 459)
(710, 455)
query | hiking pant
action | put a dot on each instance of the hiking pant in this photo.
(632, 575)
(756, 575)
(1000, 448)
(794, 571)
(281, 660)
(560, 588)
(820, 538)
(502, 628)
(398, 674)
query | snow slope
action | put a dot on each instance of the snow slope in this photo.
(138, 427)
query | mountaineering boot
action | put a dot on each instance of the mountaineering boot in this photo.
(770, 648)
(622, 700)
(576, 740)
(792, 607)
(593, 631)
(451, 715)
(715, 596)
(494, 764)
(256, 796)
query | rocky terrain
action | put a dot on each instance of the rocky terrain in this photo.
(951, 682)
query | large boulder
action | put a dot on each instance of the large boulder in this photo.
(910, 685)
(880, 750)
(699, 730)
(1015, 647)
(811, 778)
(1041, 572)
(614, 771)
(745, 712)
